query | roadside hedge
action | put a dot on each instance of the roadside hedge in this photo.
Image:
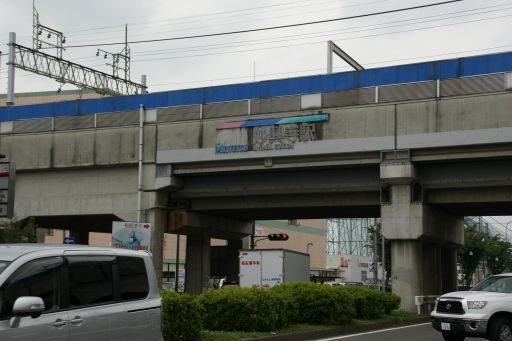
(250, 309)
(255, 309)
(315, 304)
(182, 316)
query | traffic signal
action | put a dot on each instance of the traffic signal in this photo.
(278, 236)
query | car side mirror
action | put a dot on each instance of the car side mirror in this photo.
(28, 306)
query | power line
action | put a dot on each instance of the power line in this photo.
(199, 16)
(178, 21)
(247, 21)
(317, 42)
(183, 20)
(365, 27)
(337, 68)
(271, 27)
(379, 34)
(311, 35)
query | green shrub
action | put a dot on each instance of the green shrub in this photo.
(368, 302)
(315, 304)
(391, 302)
(255, 309)
(248, 309)
(183, 317)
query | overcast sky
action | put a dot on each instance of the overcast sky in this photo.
(468, 27)
(462, 28)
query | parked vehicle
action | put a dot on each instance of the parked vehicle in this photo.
(77, 293)
(484, 311)
(266, 268)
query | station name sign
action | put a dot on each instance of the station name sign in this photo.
(268, 134)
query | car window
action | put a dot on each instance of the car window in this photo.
(3, 265)
(501, 284)
(41, 278)
(133, 278)
(90, 280)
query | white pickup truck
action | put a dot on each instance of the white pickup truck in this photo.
(484, 311)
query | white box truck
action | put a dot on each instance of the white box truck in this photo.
(266, 268)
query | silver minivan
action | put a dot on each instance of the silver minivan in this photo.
(77, 293)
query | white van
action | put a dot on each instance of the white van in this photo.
(77, 293)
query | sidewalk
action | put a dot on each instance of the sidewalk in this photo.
(343, 330)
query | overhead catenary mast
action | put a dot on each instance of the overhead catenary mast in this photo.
(64, 71)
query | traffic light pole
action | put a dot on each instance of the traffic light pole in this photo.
(272, 237)
(253, 244)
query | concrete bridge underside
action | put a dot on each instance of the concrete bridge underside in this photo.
(421, 210)
(419, 165)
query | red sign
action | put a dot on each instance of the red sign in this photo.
(250, 262)
(4, 169)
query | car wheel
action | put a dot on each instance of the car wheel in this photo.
(453, 337)
(501, 330)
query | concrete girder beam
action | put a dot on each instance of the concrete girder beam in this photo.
(192, 223)
(416, 220)
(168, 184)
(398, 172)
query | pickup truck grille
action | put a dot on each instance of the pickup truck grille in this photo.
(450, 307)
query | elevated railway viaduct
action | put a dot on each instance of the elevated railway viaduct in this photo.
(419, 146)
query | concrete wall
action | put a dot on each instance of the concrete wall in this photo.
(77, 192)
(81, 148)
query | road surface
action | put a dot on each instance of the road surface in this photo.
(419, 332)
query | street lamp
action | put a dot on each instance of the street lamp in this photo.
(307, 247)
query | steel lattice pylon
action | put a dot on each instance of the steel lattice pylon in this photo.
(67, 72)
(349, 236)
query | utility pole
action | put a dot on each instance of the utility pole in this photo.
(177, 267)
(383, 264)
(10, 67)
(375, 258)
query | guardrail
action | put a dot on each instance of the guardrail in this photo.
(427, 300)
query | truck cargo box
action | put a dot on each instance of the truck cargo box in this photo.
(266, 268)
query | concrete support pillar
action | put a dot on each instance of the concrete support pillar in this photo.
(406, 271)
(416, 268)
(197, 264)
(158, 217)
(449, 269)
(232, 261)
(420, 237)
(81, 236)
(40, 235)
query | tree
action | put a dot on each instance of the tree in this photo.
(472, 253)
(497, 255)
(18, 232)
(375, 232)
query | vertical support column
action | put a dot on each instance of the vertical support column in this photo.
(10, 70)
(420, 235)
(158, 219)
(197, 264)
(40, 235)
(329, 57)
(431, 265)
(448, 269)
(141, 163)
(143, 82)
(81, 236)
(232, 261)
(406, 269)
